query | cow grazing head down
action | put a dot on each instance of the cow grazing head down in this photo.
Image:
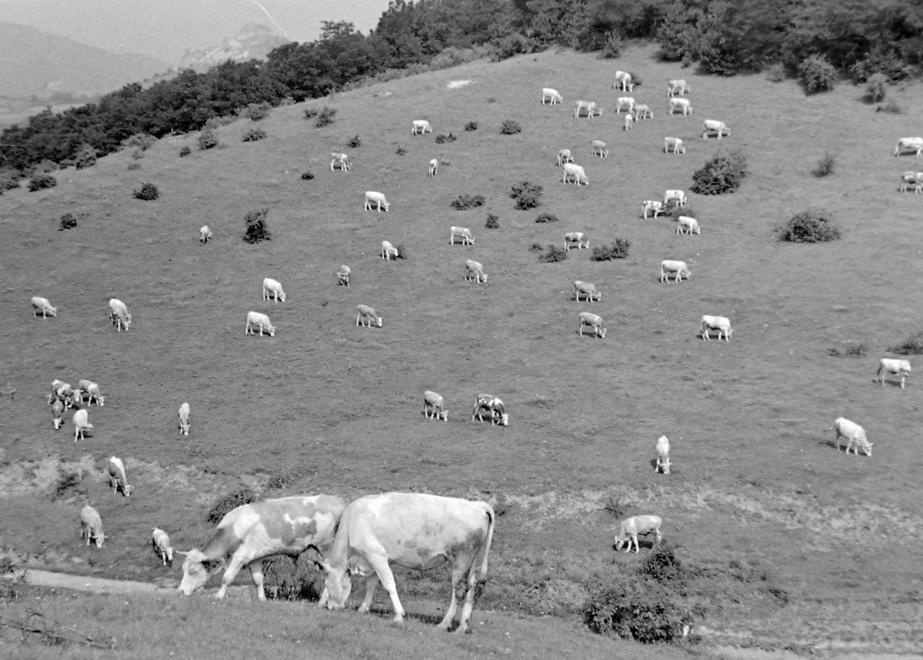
(196, 568)
(339, 584)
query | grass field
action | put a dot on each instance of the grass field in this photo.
(334, 408)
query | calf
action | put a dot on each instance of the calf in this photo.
(908, 179)
(367, 316)
(118, 480)
(653, 206)
(564, 156)
(434, 406)
(663, 455)
(677, 197)
(42, 305)
(57, 414)
(389, 252)
(273, 289)
(91, 526)
(854, 435)
(184, 418)
(261, 322)
(897, 367)
(632, 527)
(162, 548)
(492, 405)
(679, 269)
(628, 121)
(593, 321)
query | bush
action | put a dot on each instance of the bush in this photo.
(185, 151)
(510, 45)
(147, 192)
(536, 247)
(890, 106)
(911, 346)
(228, 503)
(553, 254)
(775, 73)
(41, 181)
(816, 74)
(493, 222)
(813, 226)
(310, 113)
(527, 195)
(612, 48)
(824, 166)
(722, 174)
(207, 139)
(68, 221)
(546, 217)
(143, 141)
(639, 609)
(618, 250)
(663, 566)
(67, 482)
(355, 142)
(465, 202)
(400, 151)
(325, 117)
(307, 175)
(857, 350)
(510, 127)
(441, 139)
(9, 179)
(257, 111)
(133, 166)
(253, 134)
(876, 88)
(471, 126)
(257, 228)
(85, 157)
(137, 154)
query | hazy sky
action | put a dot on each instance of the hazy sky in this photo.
(167, 28)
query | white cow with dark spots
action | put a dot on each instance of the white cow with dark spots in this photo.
(678, 269)
(652, 206)
(367, 316)
(631, 528)
(160, 541)
(914, 179)
(588, 290)
(493, 406)
(895, 367)
(594, 321)
(854, 435)
(43, 306)
(273, 289)
(118, 478)
(434, 406)
(91, 526)
(261, 322)
(720, 323)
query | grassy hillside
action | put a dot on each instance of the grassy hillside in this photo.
(828, 540)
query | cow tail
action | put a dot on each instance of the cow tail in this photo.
(491, 518)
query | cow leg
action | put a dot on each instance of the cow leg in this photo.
(457, 575)
(370, 583)
(256, 572)
(379, 562)
(237, 562)
(470, 593)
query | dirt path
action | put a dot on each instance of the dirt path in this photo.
(41, 578)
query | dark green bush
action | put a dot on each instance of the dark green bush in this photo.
(288, 578)
(639, 609)
(325, 117)
(253, 134)
(546, 217)
(812, 226)
(68, 221)
(876, 88)
(824, 166)
(510, 45)
(228, 503)
(471, 126)
(41, 181)
(618, 250)
(442, 139)
(536, 247)
(612, 47)
(147, 192)
(257, 111)
(85, 157)
(553, 254)
(913, 345)
(722, 174)
(9, 179)
(465, 202)
(143, 141)
(493, 222)
(355, 142)
(185, 151)
(207, 139)
(816, 74)
(662, 565)
(510, 127)
(527, 195)
(257, 228)
(311, 113)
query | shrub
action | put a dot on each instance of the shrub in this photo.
(890, 106)
(133, 166)
(527, 195)
(775, 73)
(913, 345)
(67, 481)
(257, 111)
(41, 181)
(824, 166)
(612, 48)
(207, 139)
(400, 151)
(812, 226)
(147, 192)
(68, 221)
(256, 227)
(510, 45)
(471, 126)
(553, 254)
(536, 247)
(510, 127)
(289, 578)
(9, 179)
(85, 157)
(325, 117)
(355, 142)
(546, 217)
(228, 503)
(493, 222)
(310, 113)
(722, 174)
(141, 141)
(465, 202)
(307, 175)
(185, 151)
(137, 154)
(639, 609)
(253, 134)
(876, 88)
(618, 250)
(441, 139)
(857, 350)
(663, 566)
(816, 74)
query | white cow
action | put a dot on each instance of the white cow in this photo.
(57, 414)
(421, 126)
(908, 179)
(367, 316)
(588, 290)
(632, 527)
(628, 121)
(681, 104)
(261, 322)
(91, 390)
(251, 532)
(909, 145)
(594, 321)
(623, 81)
(574, 172)
(65, 393)
(91, 526)
(388, 251)
(81, 424)
(674, 145)
(895, 366)
(118, 479)
(550, 95)
(663, 455)
(577, 238)
(678, 86)
(343, 275)
(118, 314)
(42, 305)
(467, 238)
(492, 405)
(434, 406)
(205, 234)
(434, 167)
(377, 198)
(643, 111)
(183, 414)
(720, 323)
(274, 289)
(160, 541)
(587, 109)
(716, 128)
(674, 195)
(340, 161)
(854, 435)
(628, 102)
(564, 156)
(474, 270)
(415, 530)
(599, 149)
(687, 225)
(653, 206)
(679, 269)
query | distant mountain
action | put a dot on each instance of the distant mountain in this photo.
(254, 41)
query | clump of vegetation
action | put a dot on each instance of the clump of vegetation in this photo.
(553, 254)
(913, 345)
(68, 481)
(85, 157)
(133, 166)
(401, 151)
(310, 113)
(228, 503)
(143, 141)
(137, 154)
(890, 106)
(185, 151)
(68, 221)
(253, 134)
(812, 226)
(816, 74)
(355, 142)
(617, 250)
(9, 179)
(722, 174)
(147, 192)
(612, 48)
(876, 88)
(536, 247)
(442, 139)
(527, 195)
(465, 202)
(207, 139)
(257, 111)
(307, 175)
(471, 126)
(493, 222)
(775, 73)
(546, 217)
(824, 166)
(257, 229)
(293, 579)
(673, 210)
(854, 351)
(42, 181)
(325, 116)
(663, 565)
(510, 127)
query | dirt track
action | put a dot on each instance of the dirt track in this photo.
(52, 579)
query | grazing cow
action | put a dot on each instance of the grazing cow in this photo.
(627, 101)
(474, 270)
(564, 156)
(599, 149)
(909, 145)
(682, 105)
(575, 173)
(205, 234)
(65, 393)
(663, 455)
(273, 288)
(716, 128)
(577, 238)
(854, 435)
(183, 414)
(367, 316)
(594, 321)
(91, 390)
(388, 251)
(261, 322)
(678, 86)
(343, 275)
(118, 480)
(643, 111)
(42, 305)
(415, 530)
(118, 314)
(340, 161)
(908, 179)
(81, 424)
(251, 532)
(632, 527)
(550, 95)
(434, 406)
(377, 198)
(91, 526)
(896, 366)
(687, 225)
(674, 196)
(588, 290)
(654, 206)
(420, 127)
(492, 405)
(462, 232)
(434, 167)
(673, 145)
(57, 414)
(162, 548)
(627, 122)
(720, 323)
(587, 109)
(679, 269)
(623, 81)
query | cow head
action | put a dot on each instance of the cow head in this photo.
(127, 490)
(338, 584)
(196, 567)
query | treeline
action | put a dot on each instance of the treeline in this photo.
(857, 38)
